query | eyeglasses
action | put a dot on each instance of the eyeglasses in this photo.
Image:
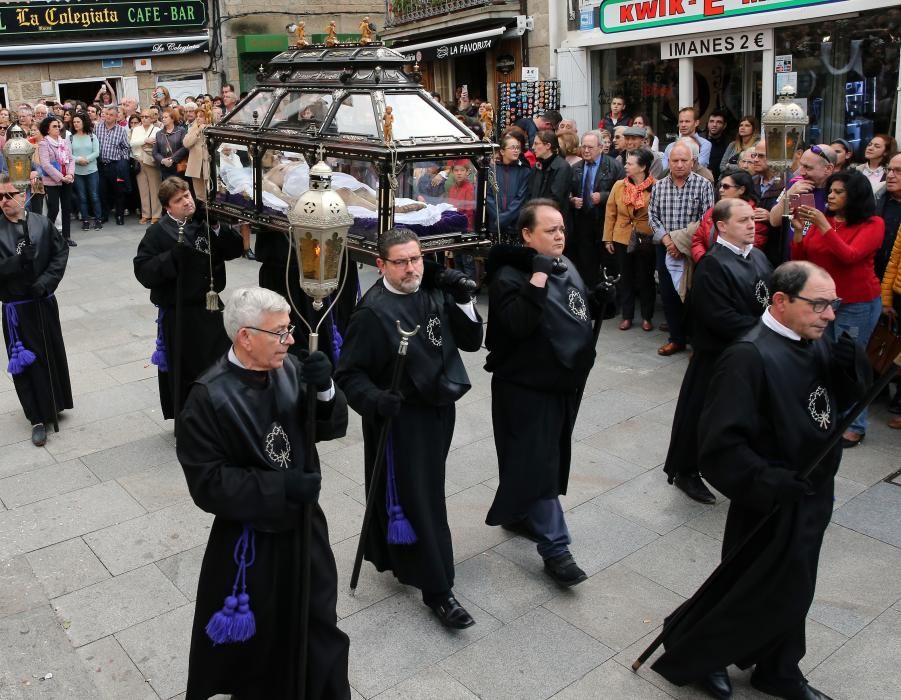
(819, 305)
(403, 262)
(894, 171)
(726, 186)
(9, 195)
(282, 335)
(754, 155)
(55, 126)
(828, 156)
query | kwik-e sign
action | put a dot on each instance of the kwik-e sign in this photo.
(630, 15)
(49, 18)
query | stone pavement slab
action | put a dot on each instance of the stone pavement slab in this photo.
(372, 586)
(466, 512)
(114, 674)
(592, 472)
(611, 680)
(100, 435)
(44, 482)
(21, 457)
(20, 589)
(157, 487)
(869, 466)
(67, 566)
(638, 440)
(431, 684)
(873, 513)
(533, 657)
(34, 645)
(159, 648)
(117, 604)
(680, 560)
(134, 456)
(183, 569)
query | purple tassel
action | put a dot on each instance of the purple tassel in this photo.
(236, 621)
(158, 357)
(400, 530)
(20, 357)
(337, 338)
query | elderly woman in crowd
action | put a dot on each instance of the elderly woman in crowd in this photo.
(142, 140)
(568, 141)
(628, 236)
(168, 149)
(844, 241)
(58, 172)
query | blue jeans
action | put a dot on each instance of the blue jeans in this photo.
(858, 320)
(87, 188)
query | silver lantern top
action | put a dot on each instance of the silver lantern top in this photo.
(784, 125)
(18, 153)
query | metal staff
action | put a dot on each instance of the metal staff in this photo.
(723, 566)
(180, 245)
(381, 447)
(50, 372)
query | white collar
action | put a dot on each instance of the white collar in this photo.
(743, 252)
(233, 358)
(394, 290)
(183, 222)
(777, 327)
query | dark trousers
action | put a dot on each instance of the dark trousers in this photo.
(113, 187)
(636, 279)
(546, 520)
(60, 196)
(672, 303)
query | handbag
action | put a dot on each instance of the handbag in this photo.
(884, 345)
(640, 242)
(182, 165)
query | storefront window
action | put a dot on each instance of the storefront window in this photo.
(846, 73)
(649, 84)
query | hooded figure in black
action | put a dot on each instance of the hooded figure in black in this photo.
(242, 443)
(729, 293)
(31, 268)
(775, 398)
(541, 347)
(157, 267)
(411, 490)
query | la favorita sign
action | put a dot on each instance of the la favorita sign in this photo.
(50, 18)
(631, 15)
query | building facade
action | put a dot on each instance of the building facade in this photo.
(842, 57)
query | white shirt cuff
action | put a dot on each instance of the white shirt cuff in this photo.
(326, 395)
(469, 309)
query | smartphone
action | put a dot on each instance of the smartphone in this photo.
(802, 200)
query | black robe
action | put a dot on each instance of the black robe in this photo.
(273, 252)
(157, 266)
(238, 432)
(22, 288)
(433, 379)
(540, 350)
(772, 404)
(728, 295)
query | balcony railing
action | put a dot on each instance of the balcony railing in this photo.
(406, 11)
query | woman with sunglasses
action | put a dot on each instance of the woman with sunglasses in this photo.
(844, 242)
(55, 157)
(734, 184)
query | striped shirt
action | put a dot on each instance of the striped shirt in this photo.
(673, 208)
(113, 142)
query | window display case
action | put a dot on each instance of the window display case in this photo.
(399, 158)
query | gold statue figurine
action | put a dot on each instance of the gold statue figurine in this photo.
(366, 28)
(388, 124)
(300, 38)
(331, 34)
(486, 116)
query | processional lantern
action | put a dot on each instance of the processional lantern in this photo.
(319, 222)
(18, 152)
(784, 125)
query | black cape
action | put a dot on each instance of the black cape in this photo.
(771, 405)
(433, 379)
(157, 266)
(540, 350)
(22, 289)
(728, 295)
(273, 252)
(237, 434)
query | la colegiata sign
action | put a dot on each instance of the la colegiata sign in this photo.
(631, 15)
(50, 18)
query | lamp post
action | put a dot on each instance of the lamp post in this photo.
(18, 152)
(318, 228)
(784, 125)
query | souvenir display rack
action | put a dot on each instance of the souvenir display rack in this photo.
(520, 99)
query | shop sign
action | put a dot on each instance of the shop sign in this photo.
(714, 44)
(631, 15)
(784, 63)
(46, 18)
(451, 49)
(586, 19)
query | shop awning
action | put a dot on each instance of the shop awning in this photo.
(92, 50)
(448, 47)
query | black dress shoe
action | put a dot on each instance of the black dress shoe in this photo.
(718, 684)
(802, 691)
(39, 435)
(98, 225)
(71, 243)
(693, 486)
(564, 570)
(521, 528)
(85, 225)
(452, 614)
(120, 220)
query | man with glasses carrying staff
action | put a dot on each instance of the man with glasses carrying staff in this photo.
(816, 165)
(420, 294)
(182, 252)
(242, 445)
(773, 404)
(33, 258)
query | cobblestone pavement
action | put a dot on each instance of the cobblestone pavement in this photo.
(100, 544)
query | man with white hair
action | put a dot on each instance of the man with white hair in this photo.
(242, 444)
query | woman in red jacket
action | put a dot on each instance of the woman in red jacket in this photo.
(734, 184)
(844, 241)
